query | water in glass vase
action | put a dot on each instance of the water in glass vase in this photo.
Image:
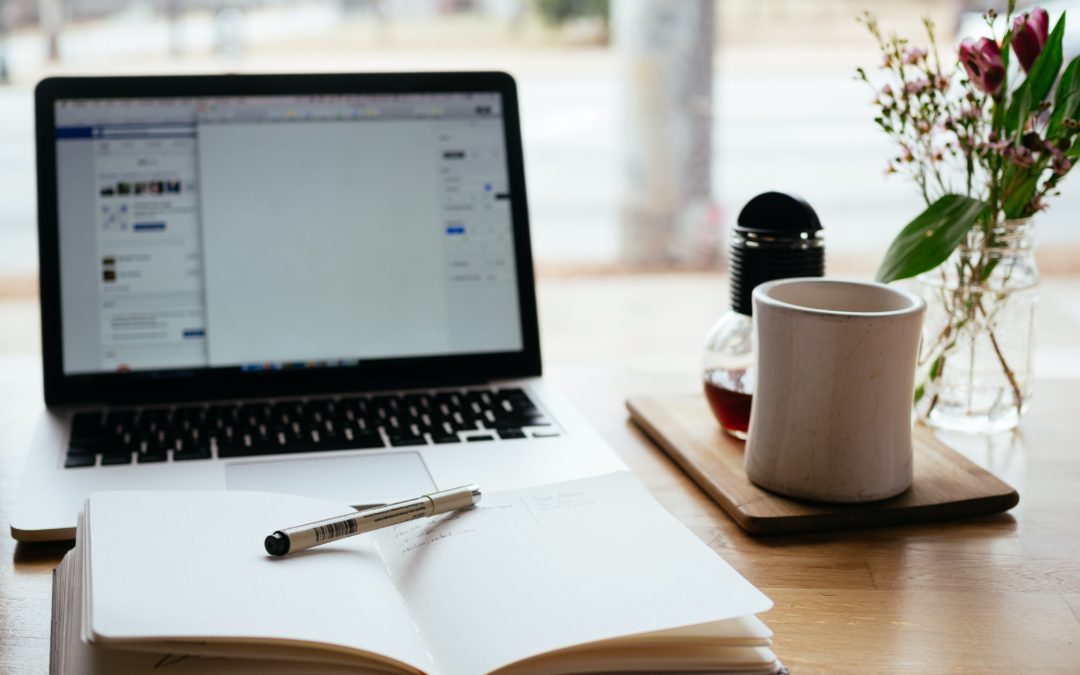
(978, 336)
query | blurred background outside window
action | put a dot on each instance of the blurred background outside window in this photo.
(647, 123)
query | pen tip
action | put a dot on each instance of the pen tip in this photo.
(276, 544)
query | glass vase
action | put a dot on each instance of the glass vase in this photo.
(979, 333)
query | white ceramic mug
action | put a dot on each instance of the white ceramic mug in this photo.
(831, 416)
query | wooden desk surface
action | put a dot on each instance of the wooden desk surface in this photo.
(1000, 594)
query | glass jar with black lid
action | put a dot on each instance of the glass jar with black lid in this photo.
(777, 236)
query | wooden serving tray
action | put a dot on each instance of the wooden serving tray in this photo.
(947, 485)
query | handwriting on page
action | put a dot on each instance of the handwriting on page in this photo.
(416, 535)
(419, 534)
(561, 501)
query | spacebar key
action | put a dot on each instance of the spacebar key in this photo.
(244, 450)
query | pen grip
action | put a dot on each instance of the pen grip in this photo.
(457, 498)
(331, 529)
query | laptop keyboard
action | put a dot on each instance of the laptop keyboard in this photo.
(195, 432)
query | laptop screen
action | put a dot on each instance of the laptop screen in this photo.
(282, 232)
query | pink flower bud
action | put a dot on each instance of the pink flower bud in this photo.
(982, 61)
(1061, 165)
(1029, 32)
(914, 55)
(917, 86)
(1020, 156)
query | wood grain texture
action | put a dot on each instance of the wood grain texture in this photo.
(946, 484)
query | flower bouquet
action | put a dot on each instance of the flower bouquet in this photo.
(986, 143)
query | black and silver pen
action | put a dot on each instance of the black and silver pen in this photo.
(293, 539)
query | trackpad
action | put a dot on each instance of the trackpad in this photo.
(355, 479)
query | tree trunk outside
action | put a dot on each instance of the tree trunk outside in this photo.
(667, 215)
(52, 20)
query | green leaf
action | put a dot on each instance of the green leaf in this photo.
(1037, 85)
(1018, 110)
(1020, 196)
(936, 366)
(929, 239)
(1066, 99)
(997, 119)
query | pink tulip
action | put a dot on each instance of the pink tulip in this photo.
(982, 61)
(1029, 32)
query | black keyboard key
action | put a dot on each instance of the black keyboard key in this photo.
(298, 435)
(218, 415)
(82, 449)
(536, 420)
(151, 457)
(418, 402)
(359, 405)
(330, 440)
(115, 449)
(259, 410)
(326, 408)
(445, 438)
(192, 437)
(363, 441)
(513, 392)
(153, 419)
(460, 422)
(511, 433)
(451, 400)
(407, 440)
(389, 403)
(120, 420)
(118, 458)
(87, 424)
(88, 433)
(194, 453)
(231, 451)
(241, 446)
(74, 461)
(292, 446)
(127, 440)
(159, 441)
(474, 439)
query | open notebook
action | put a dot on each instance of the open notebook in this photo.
(584, 576)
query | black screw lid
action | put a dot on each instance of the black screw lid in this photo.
(778, 236)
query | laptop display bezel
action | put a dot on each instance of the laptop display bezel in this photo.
(221, 383)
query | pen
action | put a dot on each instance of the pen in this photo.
(293, 539)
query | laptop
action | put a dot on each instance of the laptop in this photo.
(311, 284)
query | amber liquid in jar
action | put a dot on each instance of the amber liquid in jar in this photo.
(729, 393)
